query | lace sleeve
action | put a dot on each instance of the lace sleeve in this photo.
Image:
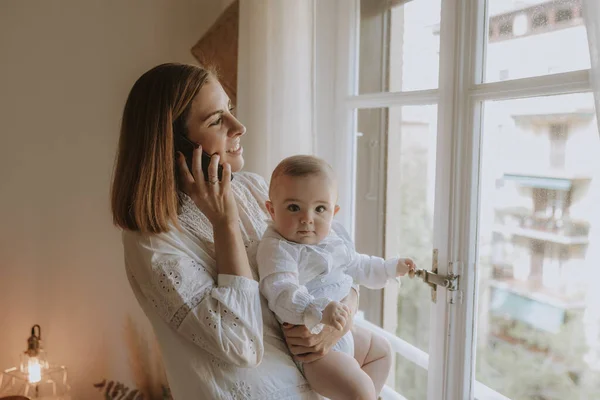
(223, 317)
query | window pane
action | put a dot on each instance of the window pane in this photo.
(538, 332)
(411, 158)
(405, 137)
(399, 45)
(534, 38)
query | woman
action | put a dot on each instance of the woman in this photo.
(190, 244)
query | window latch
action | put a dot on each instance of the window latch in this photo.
(433, 279)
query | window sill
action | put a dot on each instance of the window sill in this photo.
(420, 358)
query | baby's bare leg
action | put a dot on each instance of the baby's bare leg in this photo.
(338, 376)
(373, 354)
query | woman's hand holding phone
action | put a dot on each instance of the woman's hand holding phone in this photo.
(187, 147)
(213, 197)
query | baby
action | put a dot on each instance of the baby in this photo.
(307, 265)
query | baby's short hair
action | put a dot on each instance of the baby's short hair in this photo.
(301, 166)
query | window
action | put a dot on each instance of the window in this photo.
(535, 51)
(473, 168)
(535, 248)
(558, 141)
(539, 20)
(399, 50)
(409, 59)
(563, 15)
(410, 133)
(506, 28)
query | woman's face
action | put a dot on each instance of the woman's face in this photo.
(212, 125)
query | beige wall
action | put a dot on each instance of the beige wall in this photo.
(65, 69)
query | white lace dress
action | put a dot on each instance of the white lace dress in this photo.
(219, 340)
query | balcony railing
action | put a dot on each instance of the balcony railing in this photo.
(546, 236)
(550, 222)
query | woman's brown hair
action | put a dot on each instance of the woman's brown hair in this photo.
(144, 187)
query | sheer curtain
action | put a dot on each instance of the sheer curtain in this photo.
(275, 80)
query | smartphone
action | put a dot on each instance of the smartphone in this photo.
(186, 147)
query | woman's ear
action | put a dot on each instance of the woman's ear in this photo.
(270, 208)
(336, 209)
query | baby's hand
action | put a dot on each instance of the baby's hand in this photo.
(405, 265)
(336, 314)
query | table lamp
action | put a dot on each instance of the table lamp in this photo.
(33, 360)
(35, 378)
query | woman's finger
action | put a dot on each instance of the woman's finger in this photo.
(297, 331)
(301, 349)
(298, 341)
(213, 169)
(186, 177)
(197, 166)
(226, 181)
(310, 357)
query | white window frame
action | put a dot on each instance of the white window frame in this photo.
(459, 98)
(472, 93)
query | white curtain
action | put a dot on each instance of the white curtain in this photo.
(591, 14)
(275, 80)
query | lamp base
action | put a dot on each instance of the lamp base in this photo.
(52, 386)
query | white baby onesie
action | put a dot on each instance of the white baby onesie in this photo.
(299, 280)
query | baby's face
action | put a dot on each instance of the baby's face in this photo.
(302, 208)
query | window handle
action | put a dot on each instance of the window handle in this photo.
(433, 279)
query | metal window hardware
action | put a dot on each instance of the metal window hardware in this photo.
(433, 279)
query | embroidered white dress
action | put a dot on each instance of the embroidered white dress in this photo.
(299, 280)
(218, 338)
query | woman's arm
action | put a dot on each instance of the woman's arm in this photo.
(231, 256)
(223, 317)
(216, 201)
(307, 347)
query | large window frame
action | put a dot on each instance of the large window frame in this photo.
(460, 98)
